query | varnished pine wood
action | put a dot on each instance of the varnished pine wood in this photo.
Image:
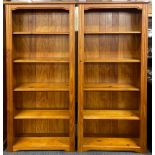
(113, 128)
(112, 81)
(9, 71)
(72, 79)
(41, 143)
(42, 87)
(42, 114)
(115, 144)
(111, 2)
(41, 72)
(109, 87)
(111, 114)
(103, 60)
(80, 77)
(41, 128)
(39, 2)
(111, 100)
(51, 100)
(43, 60)
(143, 78)
(41, 46)
(47, 33)
(115, 32)
(112, 46)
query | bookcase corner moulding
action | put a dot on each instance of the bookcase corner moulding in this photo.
(112, 67)
(40, 76)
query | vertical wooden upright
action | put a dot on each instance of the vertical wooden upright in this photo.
(112, 67)
(40, 75)
(9, 74)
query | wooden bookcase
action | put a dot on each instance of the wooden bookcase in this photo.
(40, 76)
(112, 67)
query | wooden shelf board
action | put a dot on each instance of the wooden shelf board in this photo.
(42, 114)
(40, 33)
(119, 60)
(42, 87)
(109, 87)
(41, 143)
(111, 144)
(112, 114)
(42, 60)
(115, 32)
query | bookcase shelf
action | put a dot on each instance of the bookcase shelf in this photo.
(115, 144)
(115, 32)
(41, 143)
(42, 114)
(108, 60)
(109, 87)
(42, 87)
(40, 76)
(111, 114)
(112, 76)
(41, 60)
(39, 33)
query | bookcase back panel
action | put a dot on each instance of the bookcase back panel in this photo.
(111, 128)
(41, 20)
(41, 100)
(112, 20)
(52, 73)
(111, 100)
(123, 73)
(112, 46)
(42, 127)
(36, 46)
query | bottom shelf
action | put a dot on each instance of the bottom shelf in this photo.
(41, 143)
(118, 144)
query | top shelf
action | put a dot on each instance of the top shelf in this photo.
(39, 33)
(115, 32)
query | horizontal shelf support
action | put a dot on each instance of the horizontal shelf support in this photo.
(41, 143)
(100, 33)
(109, 87)
(115, 144)
(98, 60)
(42, 60)
(42, 87)
(40, 33)
(111, 114)
(42, 114)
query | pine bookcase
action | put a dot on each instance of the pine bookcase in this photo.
(40, 76)
(112, 68)
(112, 75)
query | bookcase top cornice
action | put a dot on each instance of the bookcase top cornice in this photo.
(29, 2)
(74, 1)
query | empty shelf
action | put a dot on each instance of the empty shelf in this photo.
(126, 144)
(41, 143)
(119, 60)
(109, 87)
(42, 87)
(39, 33)
(41, 60)
(111, 114)
(115, 32)
(42, 114)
